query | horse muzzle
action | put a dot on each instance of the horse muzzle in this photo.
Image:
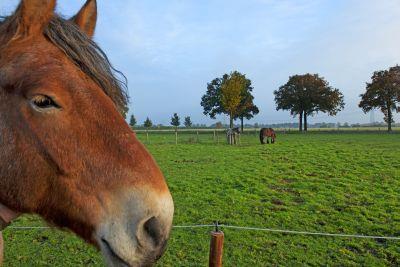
(133, 234)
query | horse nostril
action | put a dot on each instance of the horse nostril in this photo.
(153, 228)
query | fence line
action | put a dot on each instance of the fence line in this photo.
(246, 228)
(308, 233)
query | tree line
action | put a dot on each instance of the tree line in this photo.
(302, 95)
(175, 122)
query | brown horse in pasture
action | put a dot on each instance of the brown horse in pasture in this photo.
(268, 133)
(66, 153)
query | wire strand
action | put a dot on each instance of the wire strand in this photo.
(308, 233)
(245, 228)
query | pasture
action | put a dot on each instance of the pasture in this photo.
(323, 182)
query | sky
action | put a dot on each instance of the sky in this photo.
(169, 50)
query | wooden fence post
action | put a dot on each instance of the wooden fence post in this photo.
(1, 249)
(214, 137)
(216, 248)
(176, 137)
(197, 136)
(147, 136)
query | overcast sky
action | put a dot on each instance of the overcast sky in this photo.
(169, 50)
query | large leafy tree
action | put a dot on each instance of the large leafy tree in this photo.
(247, 109)
(211, 101)
(232, 91)
(231, 95)
(383, 92)
(175, 121)
(305, 95)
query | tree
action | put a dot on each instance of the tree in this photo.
(218, 125)
(231, 95)
(188, 122)
(175, 121)
(247, 109)
(132, 121)
(383, 92)
(148, 123)
(305, 95)
(232, 91)
(211, 101)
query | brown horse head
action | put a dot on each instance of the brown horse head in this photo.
(66, 153)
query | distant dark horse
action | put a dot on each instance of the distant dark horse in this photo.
(269, 133)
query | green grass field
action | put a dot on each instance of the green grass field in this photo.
(326, 182)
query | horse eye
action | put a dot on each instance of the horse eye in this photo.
(44, 102)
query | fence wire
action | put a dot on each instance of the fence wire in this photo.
(245, 228)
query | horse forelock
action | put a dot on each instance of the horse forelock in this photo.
(89, 57)
(84, 53)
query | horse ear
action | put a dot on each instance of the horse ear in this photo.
(33, 15)
(87, 17)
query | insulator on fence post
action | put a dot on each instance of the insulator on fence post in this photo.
(216, 247)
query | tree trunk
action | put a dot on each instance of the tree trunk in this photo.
(231, 121)
(305, 121)
(301, 122)
(241, 124)
(389, 120)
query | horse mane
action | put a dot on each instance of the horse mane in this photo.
(88, 57)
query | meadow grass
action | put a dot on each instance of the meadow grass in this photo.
(325, 182)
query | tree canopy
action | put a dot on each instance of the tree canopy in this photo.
(188, 122)
(307, 94)
(175, 120)
(148, 123)
(383, 92)
(247, 108)
(231, 95)
(132, 121)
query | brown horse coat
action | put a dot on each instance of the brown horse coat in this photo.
(268, 133)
